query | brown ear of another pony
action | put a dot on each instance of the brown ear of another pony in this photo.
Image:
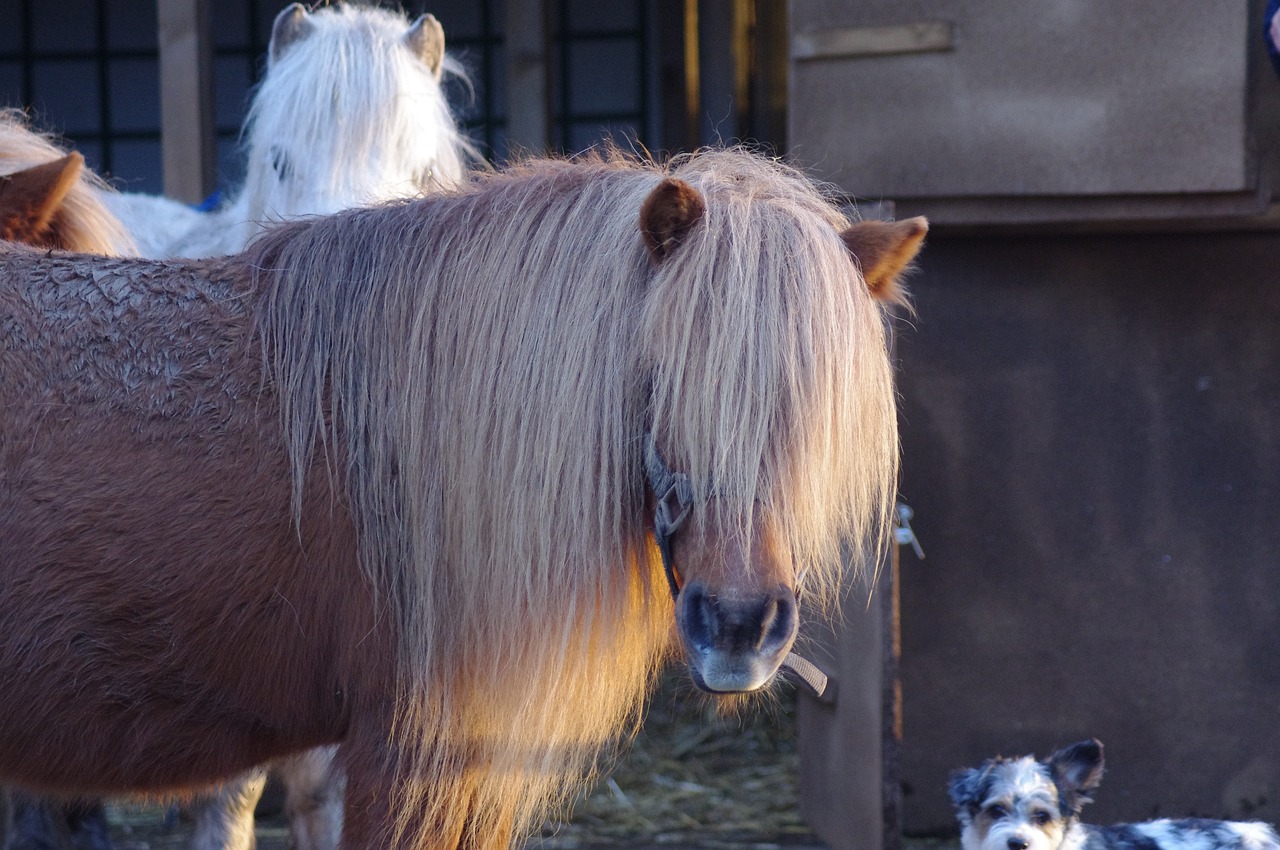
(883, 250)
(31, 199)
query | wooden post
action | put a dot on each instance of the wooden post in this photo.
(768, 89)
(528, 102)
(186, 98)
(724, 58)
(676, 49)
(848, 745)
(850, 741)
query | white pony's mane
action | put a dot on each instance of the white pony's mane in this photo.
(347, 115)
(489, 361)
(91, 224)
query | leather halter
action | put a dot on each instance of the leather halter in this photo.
(675, 503)
(674, 492)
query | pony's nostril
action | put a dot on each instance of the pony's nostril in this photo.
(779, 623)
(768, 622)
(699, 614)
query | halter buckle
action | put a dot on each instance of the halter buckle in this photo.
(674, 506)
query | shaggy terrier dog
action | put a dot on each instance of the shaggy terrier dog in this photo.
(1024, 804)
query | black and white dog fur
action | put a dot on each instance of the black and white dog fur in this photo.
(1024, 804)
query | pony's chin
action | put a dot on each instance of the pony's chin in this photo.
(738, 681)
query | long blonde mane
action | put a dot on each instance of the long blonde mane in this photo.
(87, 224)
(490, 361)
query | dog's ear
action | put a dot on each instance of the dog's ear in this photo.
(1077, 771)
(965, 789)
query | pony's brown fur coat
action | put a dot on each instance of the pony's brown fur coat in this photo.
(441, 559)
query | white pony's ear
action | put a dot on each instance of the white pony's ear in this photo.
(292, 25)
(426, 39)
(884, 250)
(667, 216)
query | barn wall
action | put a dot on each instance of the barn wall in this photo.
(1009, 99)
(984, 112)
(1091, 433)
(1090, 392)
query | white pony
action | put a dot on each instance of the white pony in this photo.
(350, 113)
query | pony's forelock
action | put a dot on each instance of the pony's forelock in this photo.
(543, 343)
(786, 333)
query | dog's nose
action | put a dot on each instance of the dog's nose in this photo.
(1018, 843)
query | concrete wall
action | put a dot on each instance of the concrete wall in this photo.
(990, 111)
(1092, 447)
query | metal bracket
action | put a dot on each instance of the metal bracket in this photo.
(903, 533)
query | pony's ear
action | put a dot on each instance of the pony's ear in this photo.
(884, 250)
(30, 199)
(292, 25)
(668, 214)
(426, 39)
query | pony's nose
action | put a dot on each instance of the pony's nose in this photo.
(759, 625)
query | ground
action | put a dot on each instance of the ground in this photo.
(691, 779)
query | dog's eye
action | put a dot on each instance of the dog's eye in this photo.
(1042, 818)
(996, 811)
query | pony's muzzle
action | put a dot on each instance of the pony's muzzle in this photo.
(735, 643)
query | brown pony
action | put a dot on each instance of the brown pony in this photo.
(48, 198)
(409, 460)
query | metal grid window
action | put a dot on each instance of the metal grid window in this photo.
(241, 31)
(603, 85)
(88, 69)
(473, 36)
(601, 79)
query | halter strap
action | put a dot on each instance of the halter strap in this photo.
(675, 503)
